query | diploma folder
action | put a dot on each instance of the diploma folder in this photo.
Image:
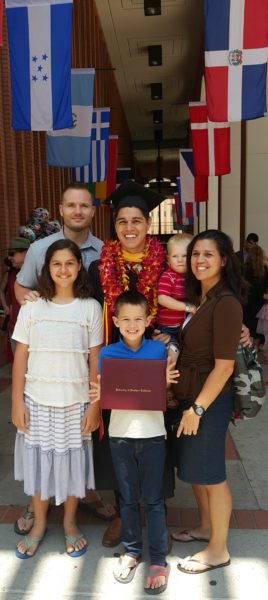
(133, 384)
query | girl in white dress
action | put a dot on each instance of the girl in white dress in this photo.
(58, 340)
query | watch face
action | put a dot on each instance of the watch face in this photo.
(199, 410)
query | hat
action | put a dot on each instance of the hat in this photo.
(18, 243)
(131, 193)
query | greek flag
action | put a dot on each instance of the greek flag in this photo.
(97, 168)
(39, 35)
(71, 147)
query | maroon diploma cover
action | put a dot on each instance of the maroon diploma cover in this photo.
(133, 384)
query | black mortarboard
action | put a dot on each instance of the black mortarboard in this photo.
(131, 193)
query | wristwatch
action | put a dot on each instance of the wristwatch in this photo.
(187, 307)
(199, 410)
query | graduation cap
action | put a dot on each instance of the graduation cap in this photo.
(131, 194)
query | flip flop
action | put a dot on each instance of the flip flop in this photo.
(29, 543)
(153, 573)
(192, 537)
(73, 541)
(126, 562)
(28, 516)
(93, 508)
(208, 566)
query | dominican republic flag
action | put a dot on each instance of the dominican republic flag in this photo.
(71, 147)
(186, 211)
(210, 141)
(39, 35)
(97, 168)
(236, 41)
(194, 188)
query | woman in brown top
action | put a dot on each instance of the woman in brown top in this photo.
(209, 343)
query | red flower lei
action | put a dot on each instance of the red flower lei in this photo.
(114, 277)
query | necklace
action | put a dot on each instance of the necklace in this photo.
(114, 271)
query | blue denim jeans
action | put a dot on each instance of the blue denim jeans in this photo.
(139, 466)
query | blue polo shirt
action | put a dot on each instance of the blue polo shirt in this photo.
(135, 423)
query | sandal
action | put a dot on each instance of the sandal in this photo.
(73, 541)
(28, 516)
(95, 505)
(154, 572)
(126, 562)
(191, 538)
(29, 543)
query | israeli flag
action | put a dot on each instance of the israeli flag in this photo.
(71, 147)
(39, 34)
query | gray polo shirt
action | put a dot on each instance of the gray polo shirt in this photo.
(34, 260)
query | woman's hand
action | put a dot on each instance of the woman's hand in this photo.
(20, 416)
(172, 374)
(189, 423)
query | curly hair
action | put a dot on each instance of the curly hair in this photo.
(230, 273)
(46, 285)
(255, 261)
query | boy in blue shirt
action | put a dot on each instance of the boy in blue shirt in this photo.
(137, 441)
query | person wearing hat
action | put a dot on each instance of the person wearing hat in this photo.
(133, 261)
(17, 249)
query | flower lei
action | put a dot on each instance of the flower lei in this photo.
(113, 271)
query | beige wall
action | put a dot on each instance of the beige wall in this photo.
(257, 179)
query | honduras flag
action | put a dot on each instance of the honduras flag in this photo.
(71, 147)
(97, 168)
(39, 34)
(236, 58)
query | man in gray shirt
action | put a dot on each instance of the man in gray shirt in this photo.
(77, 211)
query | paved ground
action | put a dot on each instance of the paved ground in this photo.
(53, 575)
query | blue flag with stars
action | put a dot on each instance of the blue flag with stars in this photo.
(39, 35)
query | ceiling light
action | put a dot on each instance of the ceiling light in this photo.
(156, 91)
(155, 56)
(152, 8)
(158, 135)
(157, 117)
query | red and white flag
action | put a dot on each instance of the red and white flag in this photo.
(211, 142)
(112, 164)
(194, 188)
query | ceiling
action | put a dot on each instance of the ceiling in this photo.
(128, 33)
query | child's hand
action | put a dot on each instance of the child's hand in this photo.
(192, 309)
(95, 390)
(172, 374)
(20, 417)
(91, 419)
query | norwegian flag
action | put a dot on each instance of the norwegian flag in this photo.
(211, 142)
(194, 188)
(186, 211)
(236, 40)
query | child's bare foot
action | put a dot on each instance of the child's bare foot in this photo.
(29, 543)
(76, 543)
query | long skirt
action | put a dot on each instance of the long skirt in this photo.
(53, 458)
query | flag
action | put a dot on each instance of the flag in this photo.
(71, 147)
(1, 22)
(122, 174)
(112, 164)
(211, 142)
(97, 167)
(99, 144)
(39, 35)
(236, 43)
(194, 188)
(186, 211)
